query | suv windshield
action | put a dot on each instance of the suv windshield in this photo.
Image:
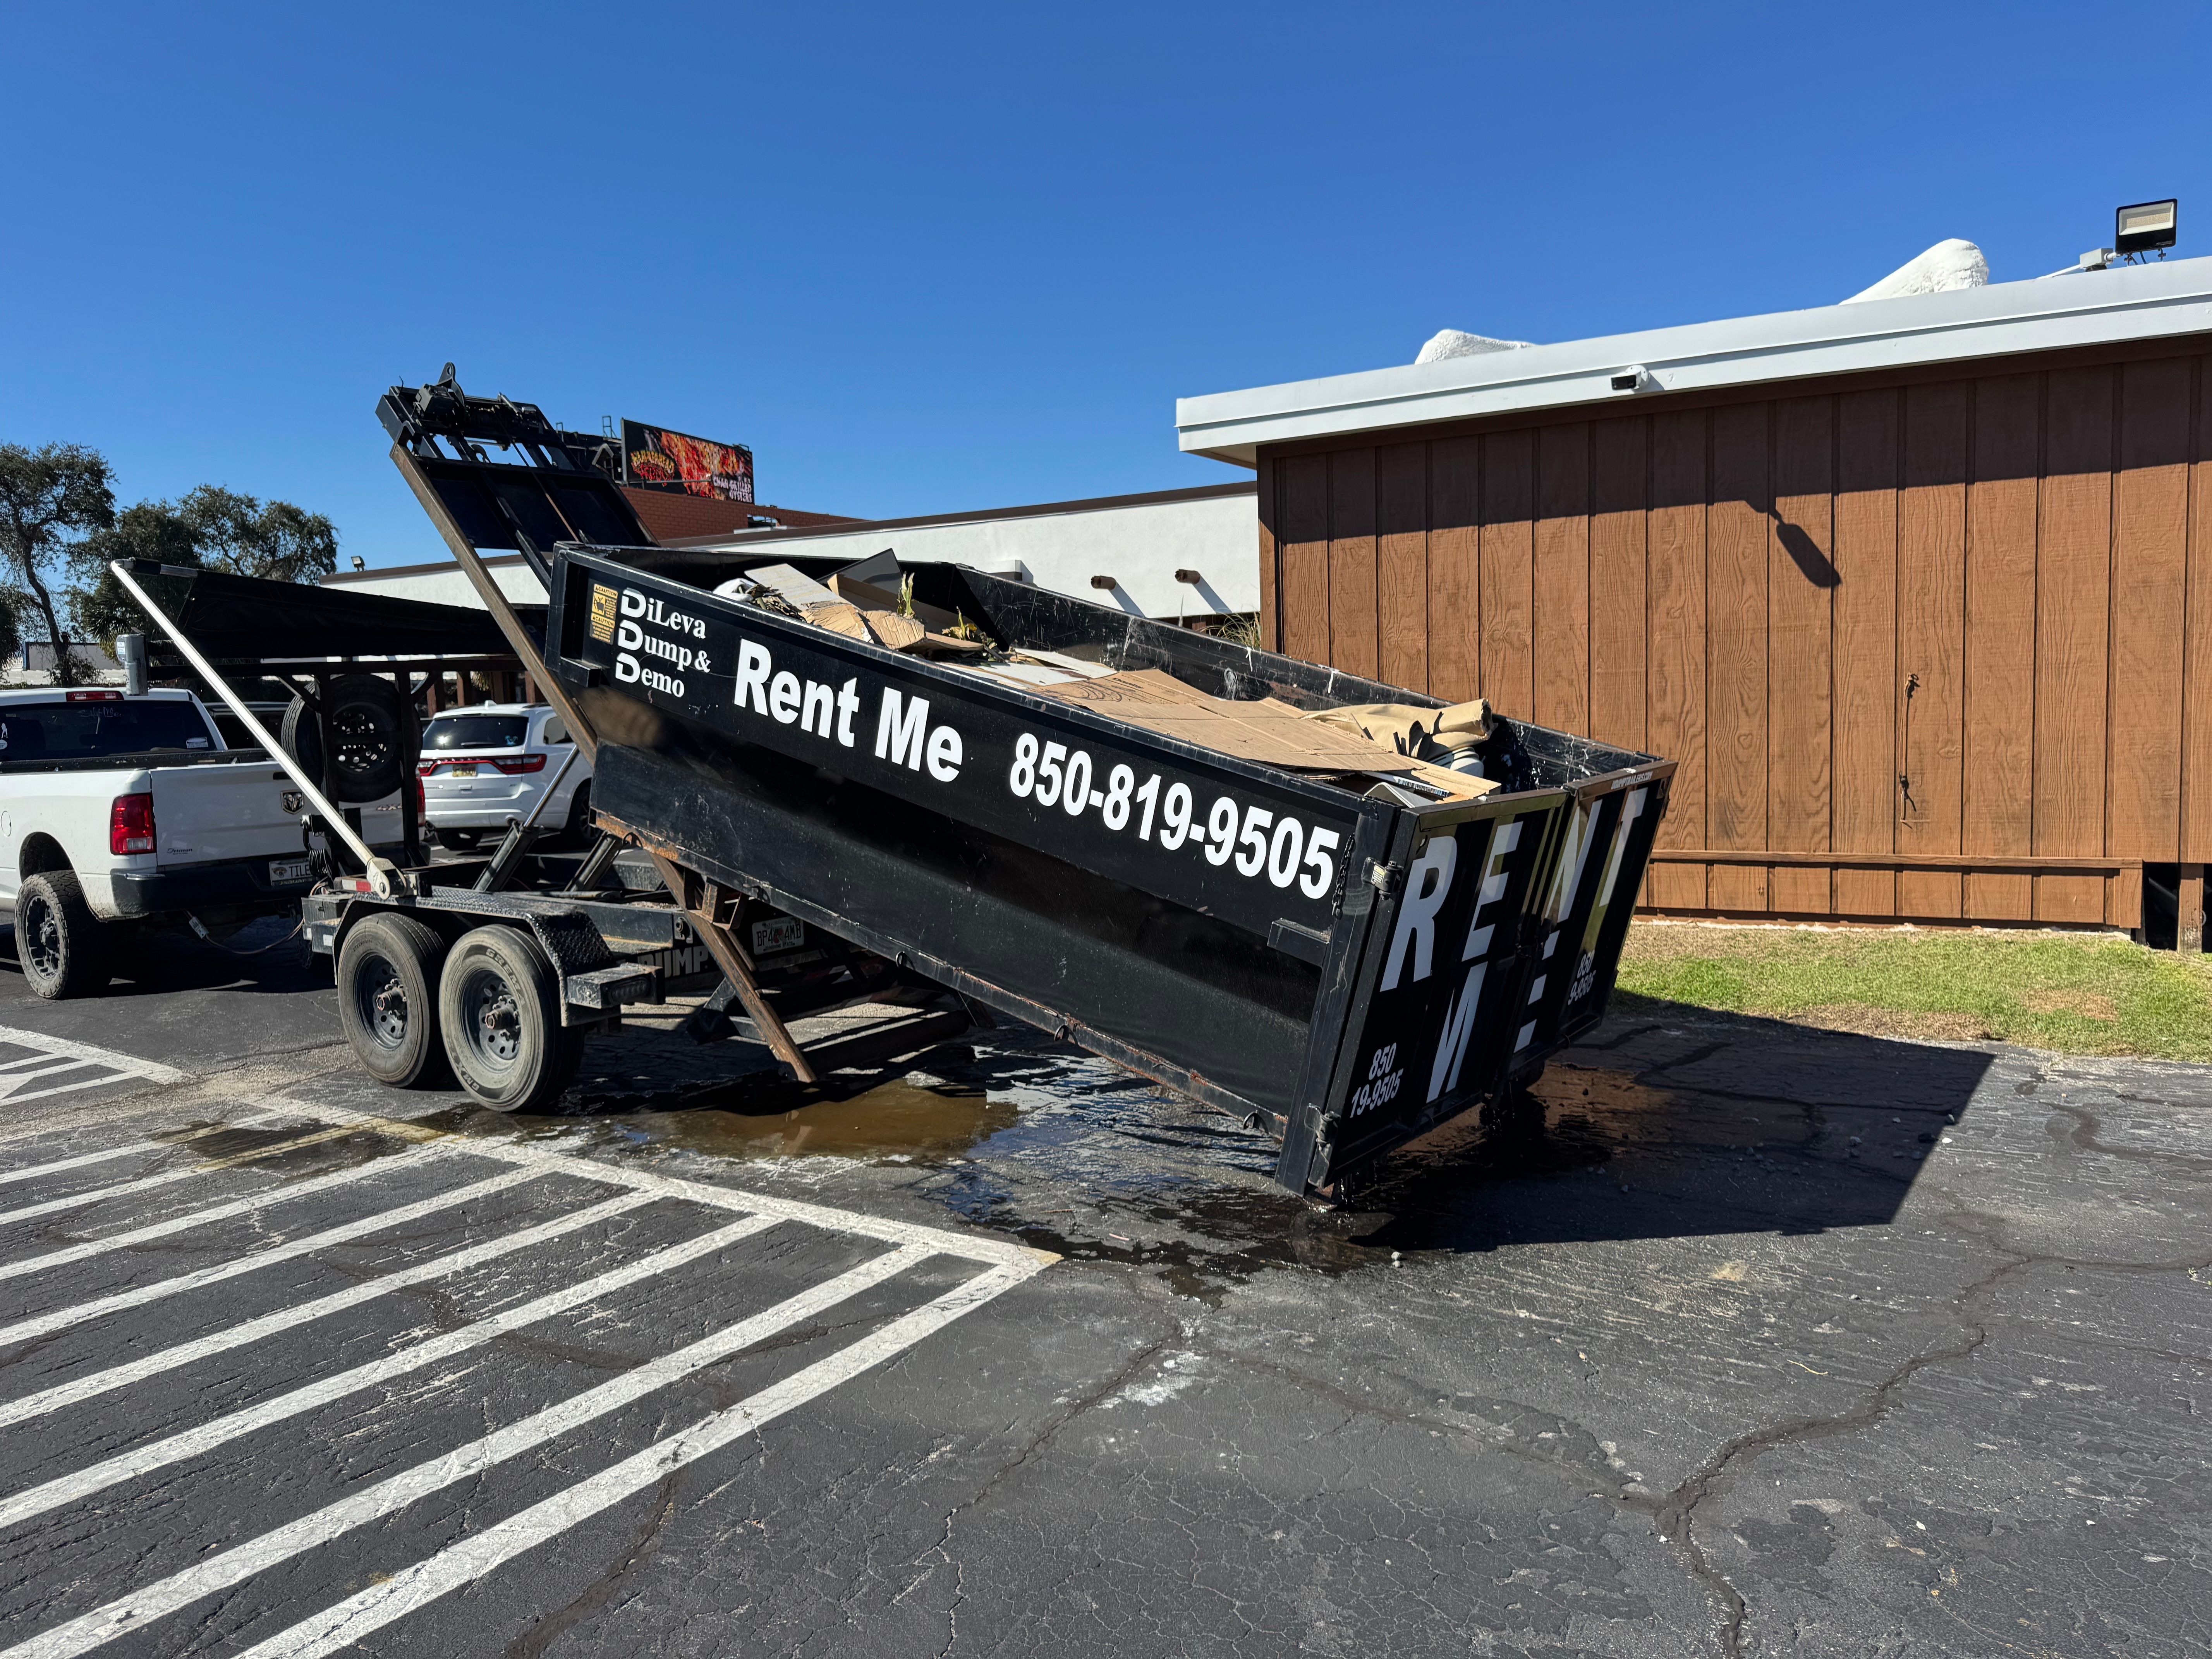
(87, 730)
(476, 732)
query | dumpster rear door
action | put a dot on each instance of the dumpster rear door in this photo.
(1439, 1002)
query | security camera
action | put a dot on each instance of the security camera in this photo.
(1634, 378)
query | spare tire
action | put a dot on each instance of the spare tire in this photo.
(372, 729)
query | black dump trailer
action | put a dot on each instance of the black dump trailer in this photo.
(1316, 956)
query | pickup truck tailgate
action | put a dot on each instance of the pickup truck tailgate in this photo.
(203, 814)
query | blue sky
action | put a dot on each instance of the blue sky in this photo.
(929, 259)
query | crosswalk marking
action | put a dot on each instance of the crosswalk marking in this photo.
(235, 1565)
(106, 1154)
(966, 1246)
(998, 1265)
(83, 1389)
(462, 1564)
(283, 1193)
(117, 1066)
(167, 1177)
(193, 1443)
(139, 1296)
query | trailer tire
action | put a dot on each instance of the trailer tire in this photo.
(387, 984)
(62, 945)
(498, 1003)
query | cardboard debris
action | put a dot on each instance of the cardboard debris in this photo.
(1398, 741)
(1268, 731)
(1432, 734)
(869, 596)
(890, 630)
(839, 619)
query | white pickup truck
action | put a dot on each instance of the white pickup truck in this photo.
(119, 812)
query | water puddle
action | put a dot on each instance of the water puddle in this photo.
(901, 1121)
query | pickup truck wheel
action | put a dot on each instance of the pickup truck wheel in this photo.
(62, 945)
(387, 983)
(499, 1002)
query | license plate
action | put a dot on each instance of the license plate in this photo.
(284, 870)
(461, 772)
(784, 933)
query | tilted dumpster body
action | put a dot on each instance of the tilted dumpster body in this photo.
(1343, 969)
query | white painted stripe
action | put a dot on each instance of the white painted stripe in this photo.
(151, 1071)
(235, 1565)
(11, 1075)
(198, 1441)
(969, 1247)
(24, 1330)
(32, 1172)
(459, 1564)
(281, 1192)
(61, 1131)
(167, 1177)
(15, 1099)
(284, 1319)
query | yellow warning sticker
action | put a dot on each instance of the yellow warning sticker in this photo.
(603, 609)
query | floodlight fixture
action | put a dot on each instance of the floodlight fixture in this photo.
(2146, 227)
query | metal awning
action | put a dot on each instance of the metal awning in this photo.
(288, 627)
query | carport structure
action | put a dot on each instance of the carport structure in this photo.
(1916, 590)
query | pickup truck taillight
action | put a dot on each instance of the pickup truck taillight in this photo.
(131, 825)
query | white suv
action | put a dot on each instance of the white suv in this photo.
(485, 766)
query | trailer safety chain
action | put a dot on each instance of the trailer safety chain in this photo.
(200, 928)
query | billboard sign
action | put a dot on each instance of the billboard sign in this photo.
(654, 457)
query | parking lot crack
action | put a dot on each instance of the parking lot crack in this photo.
(942, 1550)
(1676, 1514)
(601, 1590)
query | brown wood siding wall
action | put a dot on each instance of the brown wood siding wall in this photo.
(1922, 651)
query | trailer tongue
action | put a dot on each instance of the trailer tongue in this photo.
(1346, 957)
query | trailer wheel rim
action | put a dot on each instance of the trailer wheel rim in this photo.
(492, 1015)
(380, 998)
(39, 934)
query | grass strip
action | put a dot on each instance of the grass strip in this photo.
(2075, 993)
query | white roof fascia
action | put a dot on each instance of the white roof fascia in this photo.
(2091, 308)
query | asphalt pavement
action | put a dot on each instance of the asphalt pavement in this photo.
(1756, 1340)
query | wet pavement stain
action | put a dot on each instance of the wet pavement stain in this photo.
(1015, 1131)
(900, 1122)
(213, 1146)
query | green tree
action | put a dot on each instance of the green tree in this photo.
(99, 607)
(50, 499)
(278, 542)
(213, 527)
